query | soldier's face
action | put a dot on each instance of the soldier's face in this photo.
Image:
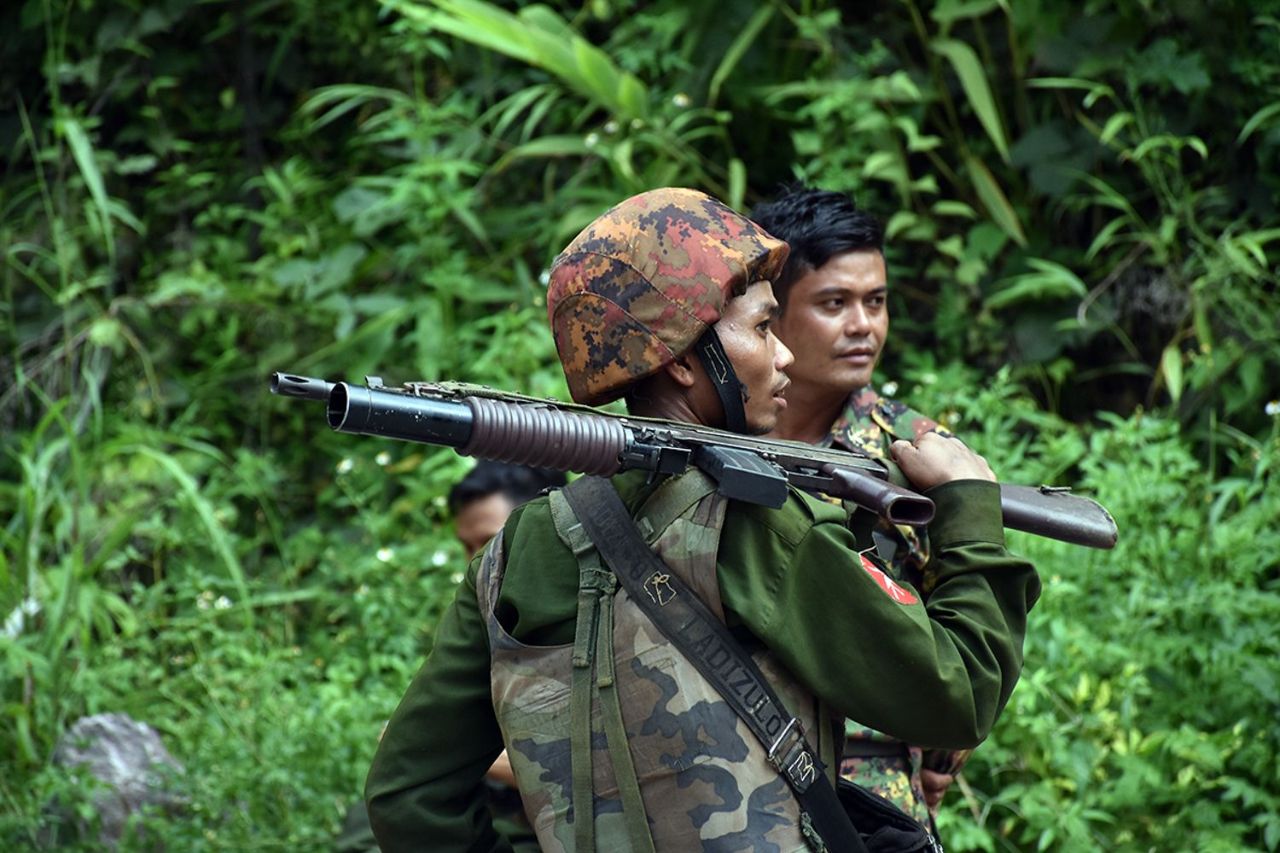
(836, 323)
(480, 520)
(759, 358)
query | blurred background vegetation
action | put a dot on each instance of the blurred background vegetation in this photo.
(1084, 242)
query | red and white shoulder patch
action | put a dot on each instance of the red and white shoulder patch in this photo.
(900, 594)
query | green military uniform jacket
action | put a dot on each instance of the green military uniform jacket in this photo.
(890, 768)
(790, 578)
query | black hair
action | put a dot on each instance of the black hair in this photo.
(518, 483)
(818, 225)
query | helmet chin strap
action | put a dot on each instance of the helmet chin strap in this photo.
(714, 360)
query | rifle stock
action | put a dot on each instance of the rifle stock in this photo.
(479, 421)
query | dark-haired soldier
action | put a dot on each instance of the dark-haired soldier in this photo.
(480, 504)
(617, 740)
(483, 499)
(833, 292)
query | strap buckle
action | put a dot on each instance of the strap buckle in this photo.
(794, 759)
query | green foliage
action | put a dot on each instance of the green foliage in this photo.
(1081, 214)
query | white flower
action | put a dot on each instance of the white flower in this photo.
(385, 554)
(544, 277)
(223, 603)
(204, 600)
(383, 459)
(1272, 408)
(439, 558)
(345, 466)
(17, 620)
(680, 99)
(456, 577)
(889, 388)
(611, 126)
(592, 139)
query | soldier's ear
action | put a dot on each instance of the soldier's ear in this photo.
(682, 371)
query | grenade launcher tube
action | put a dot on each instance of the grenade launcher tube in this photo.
(487, 429)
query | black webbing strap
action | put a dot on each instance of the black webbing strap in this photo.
(692, 628)
(715, 361)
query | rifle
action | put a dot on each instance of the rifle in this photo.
(479, 421)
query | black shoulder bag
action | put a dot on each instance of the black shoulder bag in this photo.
(855, 820)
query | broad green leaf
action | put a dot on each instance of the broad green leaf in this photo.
(974, 82)
(916, 142)
(882, 164)
(994, 200)
(899, 222)
(951, 207)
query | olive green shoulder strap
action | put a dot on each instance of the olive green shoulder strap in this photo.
(593, 653)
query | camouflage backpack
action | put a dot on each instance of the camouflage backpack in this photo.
(622, 719)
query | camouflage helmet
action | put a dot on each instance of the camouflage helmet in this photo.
(643, 282)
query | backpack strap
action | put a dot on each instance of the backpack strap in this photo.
(705, 640)
(593, 654)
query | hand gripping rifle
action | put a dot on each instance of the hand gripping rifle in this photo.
(479, 421)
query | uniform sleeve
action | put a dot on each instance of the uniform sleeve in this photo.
(425, 788)
(933, 672)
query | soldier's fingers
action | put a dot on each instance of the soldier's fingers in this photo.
(899, 447)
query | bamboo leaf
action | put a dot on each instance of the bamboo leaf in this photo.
(82, 152)
(1171, 370)
(737, 183)
(545, 146)
(1114, 125)
(745, 38)
(994, 200)
(974, 82)
(218, 537)
(1104, 237)
(540, 38)
(1258, 119)
(1048, 281)
(950, 207)
(949, 11)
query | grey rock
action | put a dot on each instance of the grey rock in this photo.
(128, 767)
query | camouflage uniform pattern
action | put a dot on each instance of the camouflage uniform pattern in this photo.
(641, 284)
(869, 424)
(703, 778)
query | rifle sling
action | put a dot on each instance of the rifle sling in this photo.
(692, 628)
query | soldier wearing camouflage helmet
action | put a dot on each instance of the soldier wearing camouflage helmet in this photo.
(667, 300)
(835, 317)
